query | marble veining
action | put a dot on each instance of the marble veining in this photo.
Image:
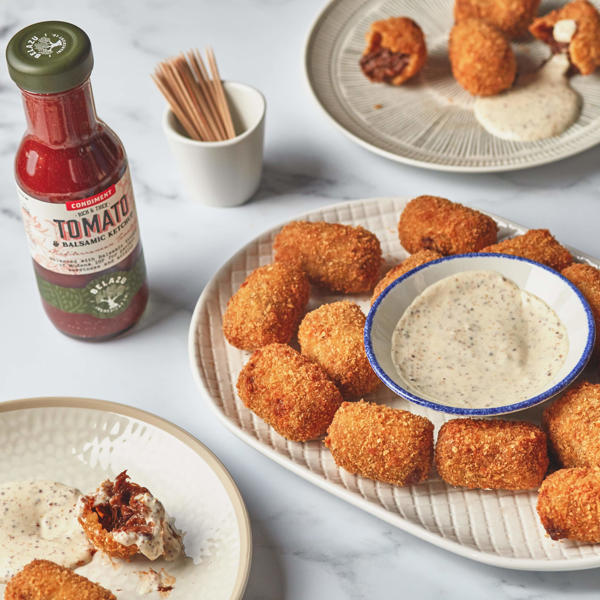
(307, 544)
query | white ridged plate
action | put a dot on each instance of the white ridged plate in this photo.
(428, 121)
(81, 442)
(496, 527)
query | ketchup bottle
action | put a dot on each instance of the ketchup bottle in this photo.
(75, 190)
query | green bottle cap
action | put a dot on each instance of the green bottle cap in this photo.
(49, 57)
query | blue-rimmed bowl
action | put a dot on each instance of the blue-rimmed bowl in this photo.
(549, 285)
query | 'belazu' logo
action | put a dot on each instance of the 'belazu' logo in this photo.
(45, 45)
(110, 294)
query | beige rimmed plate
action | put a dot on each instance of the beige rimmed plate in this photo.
(495, 527)
(427, 122)
(81, 442)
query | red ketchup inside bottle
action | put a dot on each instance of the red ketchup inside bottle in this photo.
(77, 202)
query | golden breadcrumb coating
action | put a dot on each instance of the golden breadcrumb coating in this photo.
(417, 259)
(395, 50)
(267, 308)
(332, 336)
(290, 392)
(481, 58)
(101, 538)
(587, 279)
(538, 245)
(503, 455)
(573, 426)
(584, 48)
(512, 17)
(433, 223)
(338, 257)
(569, 504)
(45, 580)
(381, 443)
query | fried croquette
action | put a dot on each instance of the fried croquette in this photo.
(45, 580)
(121, 512)
(511, 17)
(267, 308)
(569, 504)
(338, 257)
(417, 259)
(395, 51)
(481, 58)
(538, 245)
(433, 223)
(290, 392)
(587, 279)
(381, 443)
(504, 455)
(573, 426)
(332, 336)
(584, 47)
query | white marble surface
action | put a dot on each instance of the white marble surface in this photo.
(306, 543)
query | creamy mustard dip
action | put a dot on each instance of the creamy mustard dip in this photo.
(165, 539)
(476, 340)
(38, 520)
(541, 105)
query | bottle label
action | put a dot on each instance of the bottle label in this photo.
(84, 236)
(104, 297)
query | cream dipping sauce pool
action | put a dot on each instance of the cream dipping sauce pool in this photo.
(38, 520)
(476, 340)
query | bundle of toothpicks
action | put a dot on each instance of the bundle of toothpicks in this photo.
(196, 98)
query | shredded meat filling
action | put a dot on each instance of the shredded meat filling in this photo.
(383, 65)
(122, 512)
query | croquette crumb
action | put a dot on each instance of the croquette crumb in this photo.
(491, 454)
(290, 392)
(267, 308)
(417, 259)
(381, 443)
(587, 279)
(512, 17)
(338, 257)
(573, 426)
(433, 223)
(332, 335)
(584, 48)
(538, 245)
(569, 504)
(481, 58)
(45, 580)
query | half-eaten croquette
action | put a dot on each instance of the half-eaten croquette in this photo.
(504, 455)
(587, 279)
(417, 259)
(583, 49)
(123, 519)
(45, 580)
(338, 257)
(332, 336)
(512, 17)
(538, 245)
(268, 306)
(290, 392)
(569, 504)
(433, 223)
(381, 443)
(573, 426)
(395, 51)
(481, 58)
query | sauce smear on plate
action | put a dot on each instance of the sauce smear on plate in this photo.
(540, 105)
(38, 520)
